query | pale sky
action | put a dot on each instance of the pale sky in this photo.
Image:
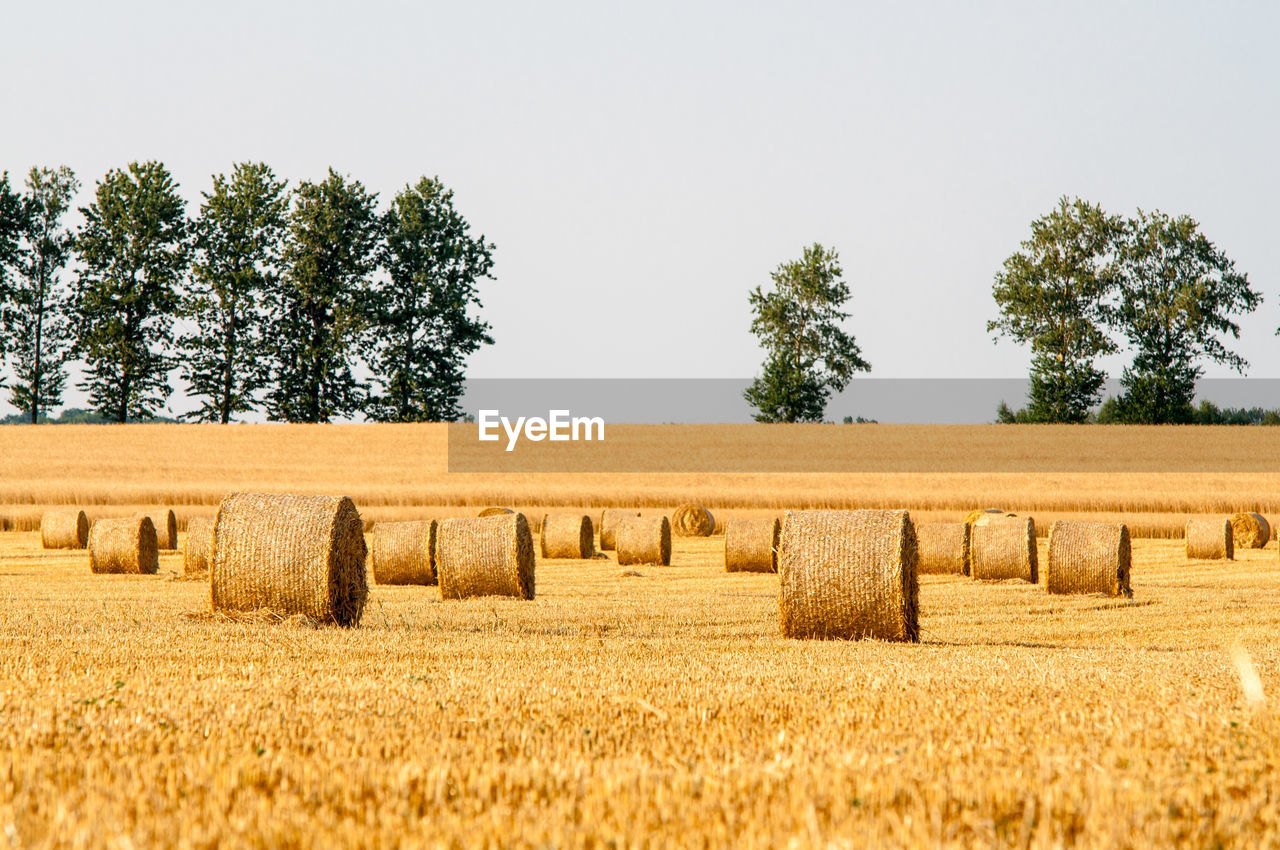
(641, 167)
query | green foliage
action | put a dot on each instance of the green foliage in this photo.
(421, 312)
(13, 222)
(133, 247)
(70, 416)
(808, 354)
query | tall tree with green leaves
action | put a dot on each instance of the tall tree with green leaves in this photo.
(320, 307)
(238, 246)
(133, 246)
(13, 223)
(1177, 300)
(808, 354)
(424, 310)
(1052, 295)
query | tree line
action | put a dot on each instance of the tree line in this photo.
(305, 303)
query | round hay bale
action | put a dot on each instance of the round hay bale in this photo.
(984, 516)
(404, 552)
(488, 512)
(609, 521)
(644, 540)
(489, 556)
(567, 536)
(1210, 540)
(290, 555)
(64, 530)
(751, 545)
(198, 545)
(125, 545)
(692, 520)
(1250, 531)
(166, 525)
(848, 574)
(1004, 548)
(943, 548)
(1089, 557)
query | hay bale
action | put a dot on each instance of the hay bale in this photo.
(692, 520)
(289, 555)
(1250, 531)
(125, 545)
(166, 525)
(567, 536)
(1089, 557)
(198, 545)
(644, 540)
(1004, 548)
(751, 545)
(1210, 539)
(943, 548)
(488, 512)
(848, 574)
(609, 522)
(983, 516)
(64, 530)
(489, 556)
(404, 552)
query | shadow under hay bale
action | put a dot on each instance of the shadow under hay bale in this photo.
(404, 552)
(290, 555)
(610, 519)
(567, 536)
(166, 525)
(849, 575)
(1210, 540)
(1089, 557)
(751, 545)
(64, 530)
(1004, 548)
(126, 545)
(690, 520)
(1250, 531)
(198, 546)
(485, 556)
(943, 548)
(644, 540)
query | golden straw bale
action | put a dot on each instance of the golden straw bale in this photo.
(943, 547)
(848, 574)
(751, 545)
(644, 540)
(198, 546)
(125, 545)
(489, 556)
(984, 516)
(1250, 531)
(404, 552)
(290, 555)
(488, 512)
(609, 521)
(1004, 548)
(692, 520)
(166, 525)
(1210, 540)
(567, 536)
(1089, 557)
(64, 530)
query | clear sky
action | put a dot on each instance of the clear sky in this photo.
(642, 166)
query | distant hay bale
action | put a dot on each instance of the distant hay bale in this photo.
(198, 546)
(1004, 548)
(1250, 531)
(1089, 557)
(943, 547)
(984, 515)
(166, 525)
(125, 545)
(567, 536)
(609, 521)
(64, 530)
(751, 545)
(488, 512)
(690, 520)
(644, 540)
(404, 552)
(290, 555)
(1210, 540)
(489, 556)
(848, 574)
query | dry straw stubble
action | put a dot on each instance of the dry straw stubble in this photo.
(1089, 557)
(198, 546)
(485, 556)
(610, 519)
(64, 530)
(1250, 531)
(751, 545)
(943, 547)
(404, 552)
(1004, 548)
(123, 545)
(644, 540)
(567, 536)
(690, 520)
(1210, 540)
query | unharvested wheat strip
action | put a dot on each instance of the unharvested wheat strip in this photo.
(610, 519)
(125, 545)
(848, 574)
(1250, 531)
(1210, 540)
(751, 545)
(197, 547)
(1004, 548)
(486, 556)
(944, 547)
(64, 530)
(692, 520)
(290, 555)
(1089, 557)
(567, 536)
(166, 525)
(644, 540)
(404, 552)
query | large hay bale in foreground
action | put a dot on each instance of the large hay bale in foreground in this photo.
(644, 540)
(1250, 531)
(1004, 548)
(166, 525)
(64, 530)
(943, 548)
(751, 545)
(404, 552)
(692, 520)
(609, 521)
(1210, 540)
(290, 555)
(486, 556)
(488, 512)
(198, 546)
(125, 545)
(567, 536)
(1089, 557)
(848, 574)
